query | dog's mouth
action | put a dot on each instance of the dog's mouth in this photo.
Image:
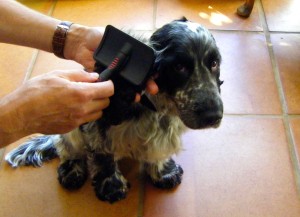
(201, 122)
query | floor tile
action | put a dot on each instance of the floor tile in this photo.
(14, 62)
(282, 15)
(295, 125)
(36, 192)
(287, 54)
(245, 172)
(46, 62)
(249, 85)
(40, 6)
(137, 14)
(216, 14)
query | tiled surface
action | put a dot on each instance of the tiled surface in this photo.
(215, 14)
(137, 14)
(247, 88)
(295, 125)
(33, 191)
(228, 169)
(287, 50)
(282, 15)
(44, 58)
(14, 63)
(247, 167)
(44, 6)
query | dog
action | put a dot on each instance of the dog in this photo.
(187, 65)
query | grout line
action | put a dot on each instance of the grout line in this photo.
(31, 65)
(140, 210)
(154, 14)
(271, 116)
(51, 10)
(235, 30)
(283, 32)
(250, 31)
(2, 150)
(36, 52)
(285, 115)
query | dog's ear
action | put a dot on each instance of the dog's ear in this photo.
(182, 19)
(160, 38)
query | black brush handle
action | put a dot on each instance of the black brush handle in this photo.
(117, 64)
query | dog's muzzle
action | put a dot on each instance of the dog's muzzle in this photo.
(203, 113)
(209, 113)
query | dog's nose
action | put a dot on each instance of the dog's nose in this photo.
(212, 118)
(209, 111)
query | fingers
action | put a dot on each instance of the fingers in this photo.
(97, 105)
(98, 90)
(137, 97)
(85, 84)
(89, 111)
(152, 87)
(78, 75)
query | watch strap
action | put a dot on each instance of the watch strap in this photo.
(59, 38)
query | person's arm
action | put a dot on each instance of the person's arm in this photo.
(53, 103)
(23, 26)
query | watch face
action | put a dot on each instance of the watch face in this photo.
(63, 27)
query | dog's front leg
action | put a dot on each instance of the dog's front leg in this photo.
(72, 171)
(108, 182)
(164, 174)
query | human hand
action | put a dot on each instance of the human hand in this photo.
(80, 45)
(56, 102)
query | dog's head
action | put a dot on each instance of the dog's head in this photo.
(188, 66)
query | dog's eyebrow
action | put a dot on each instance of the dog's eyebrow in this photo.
(212, 54)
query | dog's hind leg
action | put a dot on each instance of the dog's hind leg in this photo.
(166, 174)
(108, 182)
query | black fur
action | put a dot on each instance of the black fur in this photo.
(169, 177)
(107, 182)
(72, 174)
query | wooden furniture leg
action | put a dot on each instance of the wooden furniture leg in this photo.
(245, 9)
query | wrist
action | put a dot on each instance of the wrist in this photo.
(59, 38)
(81, 43)
(74, 40)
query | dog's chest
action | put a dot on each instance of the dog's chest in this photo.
(151, 138)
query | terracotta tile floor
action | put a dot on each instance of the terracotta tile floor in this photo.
(248, 167)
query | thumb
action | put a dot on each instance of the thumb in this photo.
(80, 76)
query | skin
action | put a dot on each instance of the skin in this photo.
(58, 101)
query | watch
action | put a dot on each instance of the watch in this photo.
(59, 38)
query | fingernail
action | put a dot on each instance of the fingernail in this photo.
(94, 75)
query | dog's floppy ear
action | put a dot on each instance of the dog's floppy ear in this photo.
(182, 19)
(160, 38)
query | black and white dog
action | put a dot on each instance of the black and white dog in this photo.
(188, 67)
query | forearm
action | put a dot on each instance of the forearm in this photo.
(22, 26)
(11, 128)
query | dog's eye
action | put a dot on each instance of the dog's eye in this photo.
(214, 65)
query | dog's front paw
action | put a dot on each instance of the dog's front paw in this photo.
(72, 174)
(169, 177)
(112, 188)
